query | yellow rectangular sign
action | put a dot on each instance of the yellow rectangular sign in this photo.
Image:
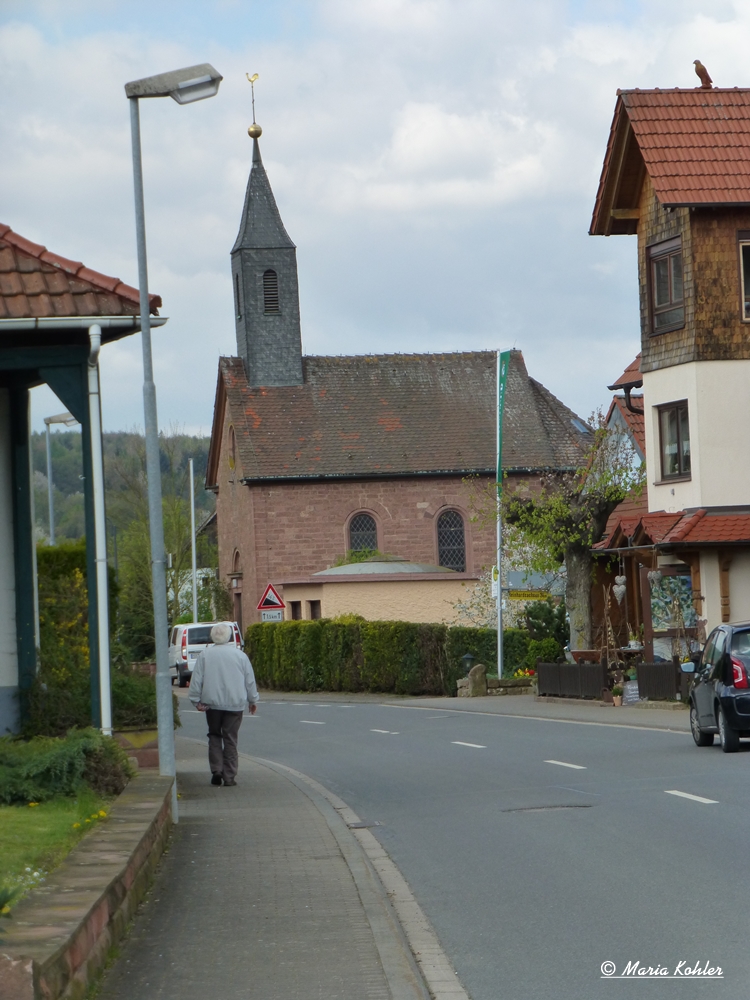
(528, 595)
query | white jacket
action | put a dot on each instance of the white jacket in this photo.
(223, 678)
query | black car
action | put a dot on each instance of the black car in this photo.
(720, 693)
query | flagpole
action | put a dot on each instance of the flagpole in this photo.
(503, 364)
(499, 545)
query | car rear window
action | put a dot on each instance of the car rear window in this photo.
(741, 643)
(200, 634)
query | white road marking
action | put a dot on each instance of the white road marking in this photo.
(561, 763)
(460, 743)
(387, 731)
(694, 798)
(311, 722)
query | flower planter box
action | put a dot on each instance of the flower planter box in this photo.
(143, 744)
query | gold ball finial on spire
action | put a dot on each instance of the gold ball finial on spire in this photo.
(255, 131)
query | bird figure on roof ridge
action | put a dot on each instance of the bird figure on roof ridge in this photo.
(706, 81)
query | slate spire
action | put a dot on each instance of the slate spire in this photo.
(266, 293)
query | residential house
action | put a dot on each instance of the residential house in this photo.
(54, 315)
(676, 175)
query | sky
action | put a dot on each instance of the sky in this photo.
(435, 161)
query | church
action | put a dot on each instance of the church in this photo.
(314, 458)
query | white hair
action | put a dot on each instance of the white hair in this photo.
(221, 633)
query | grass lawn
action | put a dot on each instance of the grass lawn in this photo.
(35, 839)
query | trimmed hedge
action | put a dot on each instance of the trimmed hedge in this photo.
(396, 657)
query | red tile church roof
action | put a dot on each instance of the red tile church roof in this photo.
(37, 283)
(390, 415)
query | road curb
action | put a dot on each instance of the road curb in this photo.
(409, 948)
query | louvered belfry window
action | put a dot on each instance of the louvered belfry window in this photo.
(451, 541)
(363, 533)
(270, 291)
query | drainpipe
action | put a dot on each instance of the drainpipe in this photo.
(100, 531)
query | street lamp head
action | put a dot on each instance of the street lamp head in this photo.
(193, 83)
(61, 418)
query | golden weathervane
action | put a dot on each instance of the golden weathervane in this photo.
(255, 130)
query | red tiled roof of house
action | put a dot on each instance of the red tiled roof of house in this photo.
(701, 527)
(395, 414)
(643, 528)
(635, 421)
(694, 144)
(705, 528)
(34, 282)
(631, 376)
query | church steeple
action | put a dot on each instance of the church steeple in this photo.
(264, 278)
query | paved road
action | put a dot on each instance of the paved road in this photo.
(540, 849)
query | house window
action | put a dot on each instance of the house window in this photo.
(270, 292)
(745, 276)
(667, 297)
(451, 541)
(314, 609)
(363, 533)
(674, 437)
(296, 609)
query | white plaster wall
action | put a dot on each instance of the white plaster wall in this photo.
(710, 589)
(8, 647)
(739, 587)
(718, 395)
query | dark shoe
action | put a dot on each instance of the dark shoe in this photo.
(229, 784)
(216, 779)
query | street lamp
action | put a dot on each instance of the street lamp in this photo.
(61, 418)
(194, 83)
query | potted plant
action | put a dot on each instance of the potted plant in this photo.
(617, 695)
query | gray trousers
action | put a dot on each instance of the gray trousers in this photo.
(223, 729)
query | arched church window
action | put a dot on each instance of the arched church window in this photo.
(451, 541)
(363, 533)
(232, 448)
(236, 563)
(270, 291)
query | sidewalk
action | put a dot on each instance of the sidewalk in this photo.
(265, 893)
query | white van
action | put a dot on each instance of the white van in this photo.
(187, 641)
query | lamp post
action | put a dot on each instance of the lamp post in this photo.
(193, 83)
(192, 543)
(61, 418)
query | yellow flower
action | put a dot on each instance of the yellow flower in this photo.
(76, 826)
(95, 815)
(32, 804)
(5, 909)
(87, 821)
(102, 812)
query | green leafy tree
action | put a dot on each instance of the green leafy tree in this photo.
(567, 515)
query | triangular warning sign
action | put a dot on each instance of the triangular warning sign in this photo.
(270, 599)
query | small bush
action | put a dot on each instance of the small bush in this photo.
(38, 769)
(547, 650)
(515, 650)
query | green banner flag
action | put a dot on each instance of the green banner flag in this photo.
(503, 364)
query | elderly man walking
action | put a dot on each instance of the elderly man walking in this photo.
(222, 684)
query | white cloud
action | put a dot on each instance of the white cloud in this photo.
(435, 161)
